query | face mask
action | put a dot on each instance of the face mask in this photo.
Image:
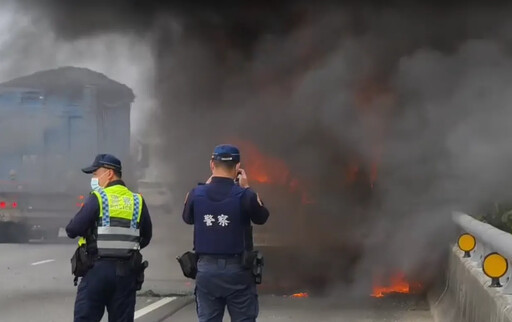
(95, 182)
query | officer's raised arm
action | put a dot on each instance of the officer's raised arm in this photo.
(251, 201)
(255, 208)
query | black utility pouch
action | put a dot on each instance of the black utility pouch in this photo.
(188, 264)
(81, 262)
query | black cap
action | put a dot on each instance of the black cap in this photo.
(226, 152)
(107, 161)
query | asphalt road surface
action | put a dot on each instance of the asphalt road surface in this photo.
(36, 285)
(281, 309)
(36, 282)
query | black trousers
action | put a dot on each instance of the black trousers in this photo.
(108, 284)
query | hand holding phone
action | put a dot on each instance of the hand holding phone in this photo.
(242, 179)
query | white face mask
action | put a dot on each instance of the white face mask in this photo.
(95, 185)
(95, 182)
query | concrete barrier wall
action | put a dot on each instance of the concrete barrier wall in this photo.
(466, 295)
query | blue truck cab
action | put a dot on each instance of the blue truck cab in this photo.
(52, 124)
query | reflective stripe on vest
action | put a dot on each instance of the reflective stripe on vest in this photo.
(118, 232)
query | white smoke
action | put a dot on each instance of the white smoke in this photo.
(28, 44)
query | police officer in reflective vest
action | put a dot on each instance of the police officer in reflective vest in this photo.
(221, 212)
(118, 222)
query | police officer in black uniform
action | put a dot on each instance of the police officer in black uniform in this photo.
(222, 211)
(113, 223)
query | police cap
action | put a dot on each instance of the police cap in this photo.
(226, 152)
(107, 161)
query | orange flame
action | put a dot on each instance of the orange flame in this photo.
(262, 168)
(398, 284)
(300, 295)
(270, 170)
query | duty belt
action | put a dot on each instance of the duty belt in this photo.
(229, 259)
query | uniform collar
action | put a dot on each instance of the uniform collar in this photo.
(222, 180)
(116, 183)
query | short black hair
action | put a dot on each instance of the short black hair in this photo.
(228, 165)
(118, 174)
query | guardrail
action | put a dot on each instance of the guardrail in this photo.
(489, 240)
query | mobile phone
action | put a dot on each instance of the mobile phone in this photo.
(237, 179)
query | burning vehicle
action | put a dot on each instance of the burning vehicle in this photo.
(300, 245)
(311, 247)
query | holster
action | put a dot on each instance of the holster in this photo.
(140, 276)
(81, 262)
(188, 264)
(135, 260)
(138, 266)
(254, 261)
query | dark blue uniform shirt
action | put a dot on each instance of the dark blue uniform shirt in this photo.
(90, 212)
(219, 190)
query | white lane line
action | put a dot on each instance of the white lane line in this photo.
(153, 306)
(43, 262)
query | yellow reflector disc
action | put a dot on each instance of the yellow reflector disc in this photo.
(467, 242)
(495, 265)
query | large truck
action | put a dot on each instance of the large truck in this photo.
(52, 124)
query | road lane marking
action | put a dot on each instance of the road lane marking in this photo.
(43, 262)
(153, 306)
